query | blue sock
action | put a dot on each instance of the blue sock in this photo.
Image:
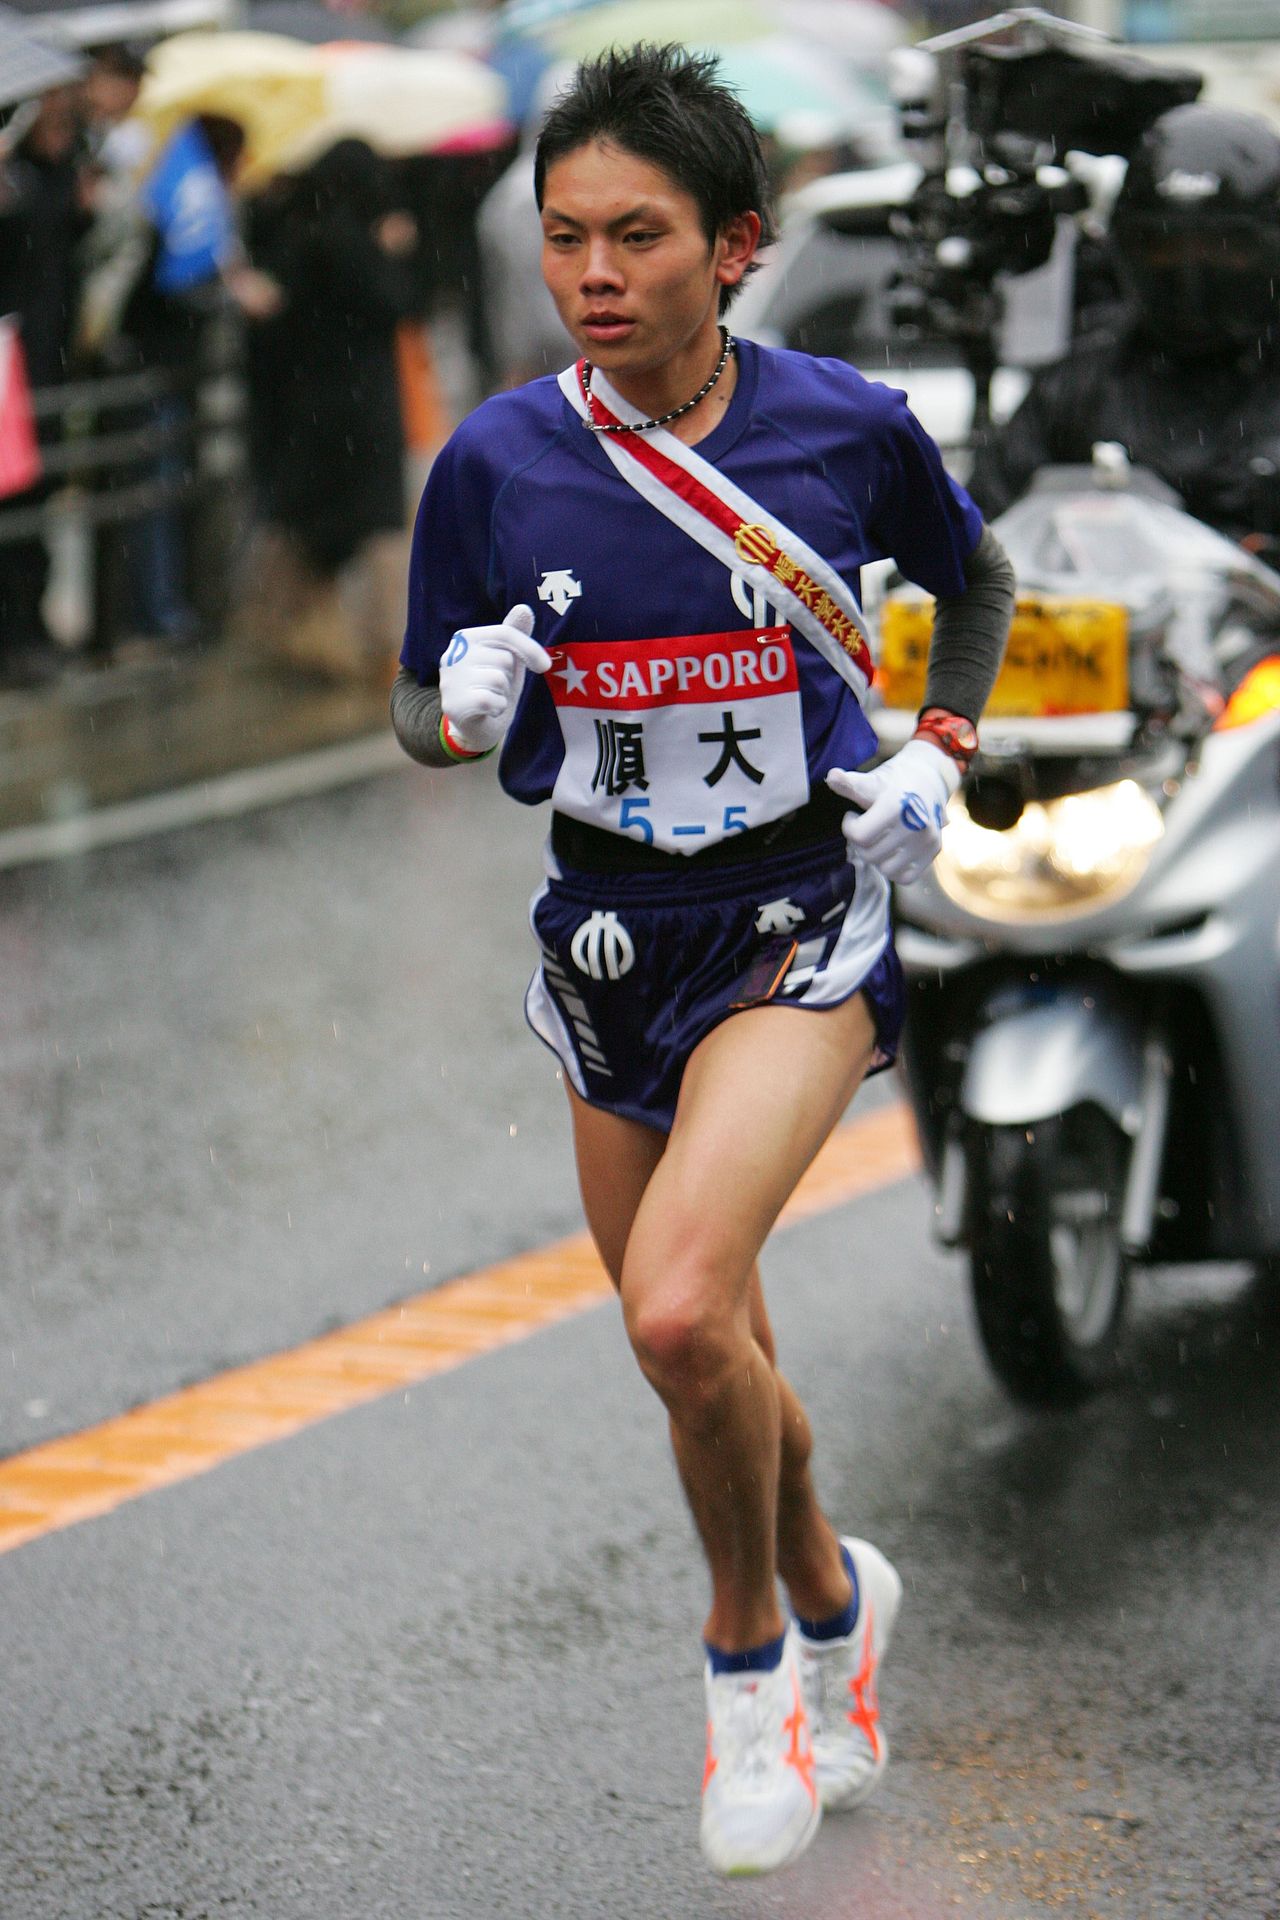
(842, 1624)
(754, 1660)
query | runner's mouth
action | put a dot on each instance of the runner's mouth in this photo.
(606, 326)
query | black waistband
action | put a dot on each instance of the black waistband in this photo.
(594, 850)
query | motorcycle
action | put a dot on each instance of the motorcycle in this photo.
(1092, 1049)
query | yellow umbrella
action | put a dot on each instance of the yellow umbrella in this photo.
(294, 101)
(275, 88)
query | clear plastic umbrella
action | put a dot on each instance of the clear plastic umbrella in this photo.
(28, 66)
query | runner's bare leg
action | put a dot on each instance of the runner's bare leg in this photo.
(808, 1551)
(616, 1159)
(681, 1228)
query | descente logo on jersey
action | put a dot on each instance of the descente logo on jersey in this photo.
(675, 671)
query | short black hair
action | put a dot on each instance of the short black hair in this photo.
(665, 105)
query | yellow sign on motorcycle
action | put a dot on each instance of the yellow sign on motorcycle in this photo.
(1064, 656)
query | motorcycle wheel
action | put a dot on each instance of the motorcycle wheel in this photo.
(1047, 1267)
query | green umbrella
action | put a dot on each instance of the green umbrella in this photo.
(785, 88)
(621, 23)
(780, 76)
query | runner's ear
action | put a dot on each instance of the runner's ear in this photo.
(736, 247)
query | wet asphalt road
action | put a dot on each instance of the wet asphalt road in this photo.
(438, 1657)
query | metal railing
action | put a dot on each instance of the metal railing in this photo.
(120, 446)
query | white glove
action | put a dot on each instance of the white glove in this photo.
(481, 675)
(903, 809)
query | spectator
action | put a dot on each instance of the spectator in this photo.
(117, 143)
(446, 193)
(327, 432)
(43, 218)
(186, 277)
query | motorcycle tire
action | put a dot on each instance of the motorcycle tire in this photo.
(1047, 1265)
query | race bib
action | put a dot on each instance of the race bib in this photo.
(683, 741)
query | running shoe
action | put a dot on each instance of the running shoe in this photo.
(839, 1682)
(760, 1805)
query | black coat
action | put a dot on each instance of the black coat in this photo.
(329, 434)
(1209, 427)
(43, 227)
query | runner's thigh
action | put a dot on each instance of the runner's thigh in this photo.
(615, 1158)
(760, 1095)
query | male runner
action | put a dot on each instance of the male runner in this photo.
(640, 579)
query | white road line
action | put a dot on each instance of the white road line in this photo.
(220, 799)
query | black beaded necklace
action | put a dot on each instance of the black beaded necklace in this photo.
(643, 426)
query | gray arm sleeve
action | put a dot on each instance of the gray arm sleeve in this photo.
(969, 632)
(415, 716)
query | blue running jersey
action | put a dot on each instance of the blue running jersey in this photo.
(681, 707)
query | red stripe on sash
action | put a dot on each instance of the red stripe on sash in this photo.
(675, 477)
(755, 544)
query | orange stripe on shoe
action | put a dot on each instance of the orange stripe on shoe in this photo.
(186, 1433)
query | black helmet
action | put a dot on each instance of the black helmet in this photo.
(1197, 228)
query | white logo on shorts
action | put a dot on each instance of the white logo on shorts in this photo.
(778, 916)
(603, 948)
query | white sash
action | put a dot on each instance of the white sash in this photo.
(733, 527)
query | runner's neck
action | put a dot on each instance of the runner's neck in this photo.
(701, 420)
(661, 396)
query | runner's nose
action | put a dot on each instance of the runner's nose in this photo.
(600, 269)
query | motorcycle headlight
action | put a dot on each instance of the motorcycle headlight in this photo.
(1062, 856)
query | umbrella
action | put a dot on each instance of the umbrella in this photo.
(807, 83)
(520, 62)
(28, 67)
(862, 31)
(859, 31)
(802, 98)
(800, 94)
(315, 23)
(273, 87)
(84, 23)
(405, 100)
(576, 32)
(294, 101)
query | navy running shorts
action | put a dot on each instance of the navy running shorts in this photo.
(637, 968)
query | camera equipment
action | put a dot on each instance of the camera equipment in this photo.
(994, 113)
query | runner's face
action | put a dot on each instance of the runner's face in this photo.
(629, 266)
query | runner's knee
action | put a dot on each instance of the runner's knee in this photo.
(685, 1339)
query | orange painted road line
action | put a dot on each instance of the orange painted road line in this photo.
(186, 1433)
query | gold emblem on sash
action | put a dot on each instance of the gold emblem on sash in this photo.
(757, 546)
